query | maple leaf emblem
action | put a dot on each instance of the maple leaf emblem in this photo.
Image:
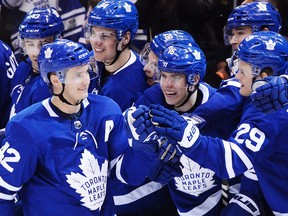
(127, 7)
(48, 53)
(270, 45)
(92, 185)
(197, 55)
(262, 7)
(195, 179)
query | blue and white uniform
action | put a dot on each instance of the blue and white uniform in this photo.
(8, 65)
(27, 88)
(198, 191)
(62, 164)
(126, 84)
(260, 141)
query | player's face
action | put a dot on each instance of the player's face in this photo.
(174, 87)
(238, 35)
(151, 68)
(103, 42)
(245, 78)
(77, 81)
(32, 48)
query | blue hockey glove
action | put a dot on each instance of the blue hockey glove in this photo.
(139, 123)
(167, 165)
(170, 124)
(273, 95)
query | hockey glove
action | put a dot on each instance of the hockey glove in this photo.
(271, 96)
(139, 123)
(170, 124)
(167, 165)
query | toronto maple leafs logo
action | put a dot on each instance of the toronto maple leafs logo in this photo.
(91, 184)
(270, 45)
(195, 179)
(262, 7)
(127, 7)
(197, 55)
(48, 53)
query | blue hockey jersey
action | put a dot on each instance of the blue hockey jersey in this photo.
(27, 88)
(260, 141)
(126, 84)
(8, 65)
(62, 166)
(198, 191)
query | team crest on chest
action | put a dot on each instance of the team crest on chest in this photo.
(91, 183)
(195, 179)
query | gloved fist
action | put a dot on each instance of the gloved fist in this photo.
(167, 165)
(177, 128)
(139, 124)
(271, 96)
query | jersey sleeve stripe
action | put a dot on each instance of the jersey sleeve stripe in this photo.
(7, 197)
(228, 159)
(8, 186)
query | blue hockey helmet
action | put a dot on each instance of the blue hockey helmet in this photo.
(163, 40)
(121, 15)
(41, 23)
(184, 59)
(265, 50)
(257, 15)
(60, 55)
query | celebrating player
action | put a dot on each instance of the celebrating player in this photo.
(260, 141)
(39, 27)
(112, 26)
(59, 153)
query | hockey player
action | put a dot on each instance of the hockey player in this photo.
(8, 65)
(61, 153)
(150, 58)
(198, 190)
(111, 28)
(159, 43)
(222, 112)
(141, 200)
(260, 141)
(72, 13)
(39, 27)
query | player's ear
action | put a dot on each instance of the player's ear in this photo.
(196, 79)
(126, 39)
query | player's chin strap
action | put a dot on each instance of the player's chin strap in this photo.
(118, 53)
(61, 97)
(190, 93)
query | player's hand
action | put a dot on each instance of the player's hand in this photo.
(271, 96)
(167, 165)
(170, 124)
(139, 124)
